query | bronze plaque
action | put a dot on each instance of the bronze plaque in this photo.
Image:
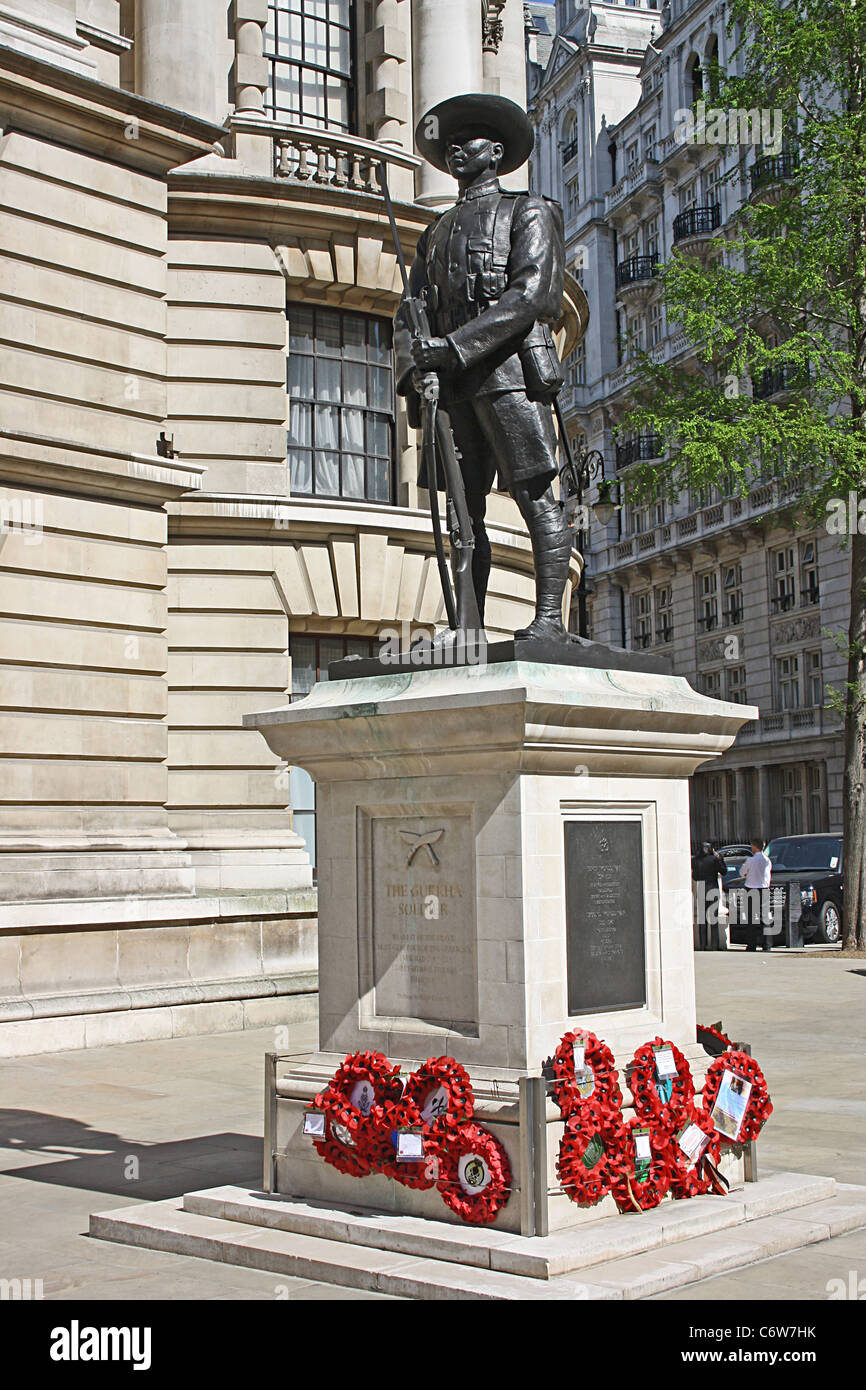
(604, 916)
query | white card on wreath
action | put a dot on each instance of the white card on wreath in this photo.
(665, 1063)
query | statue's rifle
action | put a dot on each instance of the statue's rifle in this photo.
(436, 432)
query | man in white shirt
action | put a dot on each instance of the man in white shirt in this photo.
(756, 873)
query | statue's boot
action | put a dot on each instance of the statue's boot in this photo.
(551, 553)
(481, 561)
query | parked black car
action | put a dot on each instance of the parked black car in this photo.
(812, 866)
(816, 860)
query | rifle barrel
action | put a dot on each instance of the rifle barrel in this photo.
(389, 208)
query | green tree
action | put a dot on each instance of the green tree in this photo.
(776, 306)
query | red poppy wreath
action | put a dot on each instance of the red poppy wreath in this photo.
(474, 1173)
(588, 1159)
(660, 1079)
(642, 1175)
(693, 1158)
(736, 1097)
(442, 1090)
(585, 1077)
(361, 1085)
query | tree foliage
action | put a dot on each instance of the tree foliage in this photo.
(778, 300)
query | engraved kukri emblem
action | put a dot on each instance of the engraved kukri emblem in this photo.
(426, 840)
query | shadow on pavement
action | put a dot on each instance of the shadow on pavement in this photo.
(102, 1161)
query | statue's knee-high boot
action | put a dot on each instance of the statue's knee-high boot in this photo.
(551, 553)
(481, 560)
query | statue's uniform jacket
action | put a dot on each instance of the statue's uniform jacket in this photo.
(489, 305)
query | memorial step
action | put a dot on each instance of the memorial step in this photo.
(635, 1257)
(542, 1257)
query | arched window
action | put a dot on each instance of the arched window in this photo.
(694, 80)
(569, 138)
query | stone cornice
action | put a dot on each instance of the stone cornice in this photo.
(543, 718)
(43, 461)
(223, 199)
(310, 519)
(97, 118)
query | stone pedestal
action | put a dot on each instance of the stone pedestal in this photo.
(503, 855)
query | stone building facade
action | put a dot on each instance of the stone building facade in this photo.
(208, 489)
(744, 601)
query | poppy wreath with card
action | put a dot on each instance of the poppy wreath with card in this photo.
(384, 1127)
(474, 1173)
(589, 1156)
(690, 1177)
(442, 1090)
(640, 1183)
(598, 1090)
(341, 1150)
(363, 1082)
(759, 1107)
(664, 1099)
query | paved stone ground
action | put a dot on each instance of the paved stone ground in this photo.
(805, 1016)
(89, 1131)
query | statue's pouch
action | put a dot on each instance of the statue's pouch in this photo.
(542, 369)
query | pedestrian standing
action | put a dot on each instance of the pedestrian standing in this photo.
(756, 873)
(708, 868)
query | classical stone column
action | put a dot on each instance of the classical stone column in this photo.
(446, 60)
(179, 55)
(744, 811)
(764, 808)
(504, 50)
(504, 63)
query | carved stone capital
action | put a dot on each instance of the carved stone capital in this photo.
(493, 29)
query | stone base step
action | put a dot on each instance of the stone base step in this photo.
(542, 1257)
(621, 1258)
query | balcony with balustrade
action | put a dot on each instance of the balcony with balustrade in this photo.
(778, 384)
(641, 178)
(772, 170)
(570, 151)
(332, 160)
(696, 225)
(644, 447)
(634, 278)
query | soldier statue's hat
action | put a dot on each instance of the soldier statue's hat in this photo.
(495, 117)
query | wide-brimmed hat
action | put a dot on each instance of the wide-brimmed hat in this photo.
(496, 117)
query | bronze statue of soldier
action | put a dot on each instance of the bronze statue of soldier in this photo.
(490, 271)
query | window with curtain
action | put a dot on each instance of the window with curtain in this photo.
(341, 405)
(310, 45)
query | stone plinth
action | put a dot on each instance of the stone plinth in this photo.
(451, 804)
(503, 855)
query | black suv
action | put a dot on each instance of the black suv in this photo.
(814, 862)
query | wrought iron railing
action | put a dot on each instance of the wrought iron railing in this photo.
(697, 221)
(635, 269)
(773, 168)
(647, 446)
(773, 380)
